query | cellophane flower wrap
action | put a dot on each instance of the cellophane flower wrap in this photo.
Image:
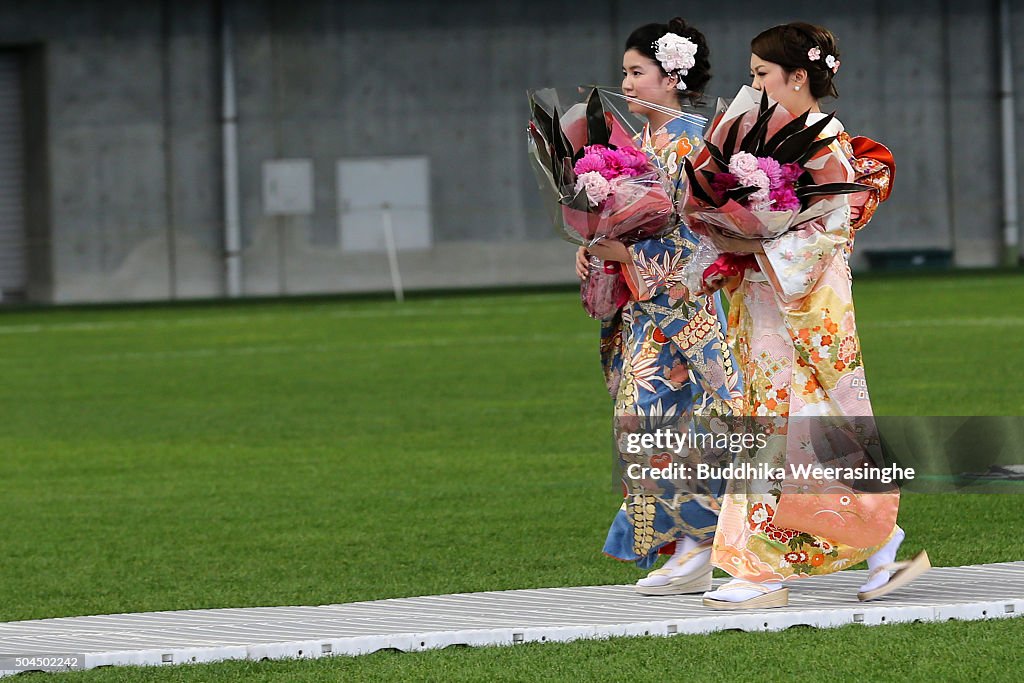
(762, 173)
(598, 185)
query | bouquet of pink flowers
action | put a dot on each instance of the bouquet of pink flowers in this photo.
(775, 182)
(764, 183)
(598, 185)
(762, 173)
(601, 171)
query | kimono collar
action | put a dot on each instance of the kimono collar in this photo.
(684, 124)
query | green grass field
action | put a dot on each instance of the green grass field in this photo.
(312, 452)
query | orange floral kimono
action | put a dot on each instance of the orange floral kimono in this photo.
(793, 332)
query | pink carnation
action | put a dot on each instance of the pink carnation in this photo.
(723, 182)
(590, 161)
(611, 163)
(759, 201)
(784, 199)
(623, 163)
(772, 169)
(628, 172)
(758, 179)
(627, 161)
(601, 159)
(743, 165)
(632, 158)
(790, 173)
(597, 187)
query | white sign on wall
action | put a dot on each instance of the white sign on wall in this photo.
(369, 187)
(288, 187)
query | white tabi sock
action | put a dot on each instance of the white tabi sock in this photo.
(740, 594)
(883, 556)
(683, 546)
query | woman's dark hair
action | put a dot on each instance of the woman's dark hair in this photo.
(643, 39)
(788, 44)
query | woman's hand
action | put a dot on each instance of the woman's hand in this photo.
(736, 245)
(611, 250)
(582, 263)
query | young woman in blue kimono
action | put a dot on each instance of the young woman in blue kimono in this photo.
(664, 353)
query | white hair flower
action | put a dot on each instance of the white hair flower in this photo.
(832, 63)
(676, 54)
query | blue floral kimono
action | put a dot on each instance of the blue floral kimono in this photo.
(666, 360)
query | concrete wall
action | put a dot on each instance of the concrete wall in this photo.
(132, 143)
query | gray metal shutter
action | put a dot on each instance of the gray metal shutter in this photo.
(12, 178)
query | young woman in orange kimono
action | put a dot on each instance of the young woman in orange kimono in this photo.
(793, 331)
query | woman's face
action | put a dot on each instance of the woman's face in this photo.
(643, 78)
(773, 79)
(767, 76)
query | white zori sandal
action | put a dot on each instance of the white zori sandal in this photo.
(667, 580)
(770, 595)
(902, 574)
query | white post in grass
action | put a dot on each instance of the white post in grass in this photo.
(1011, 225)
(230, 182)
(389, 243)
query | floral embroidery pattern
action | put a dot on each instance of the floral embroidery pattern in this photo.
(660, 357)
(660, 270)
(793, 329)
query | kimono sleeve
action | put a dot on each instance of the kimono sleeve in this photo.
(795, 261)
(693, 324)
(657, 265)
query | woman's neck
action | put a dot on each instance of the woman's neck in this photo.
(799, 104)
(659, 119)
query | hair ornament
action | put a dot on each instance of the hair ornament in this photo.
(676, 54)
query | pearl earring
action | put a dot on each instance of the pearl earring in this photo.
(796, 87)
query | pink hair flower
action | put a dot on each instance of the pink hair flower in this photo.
(814, 54)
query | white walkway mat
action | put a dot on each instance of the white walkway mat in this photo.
(989, 591)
